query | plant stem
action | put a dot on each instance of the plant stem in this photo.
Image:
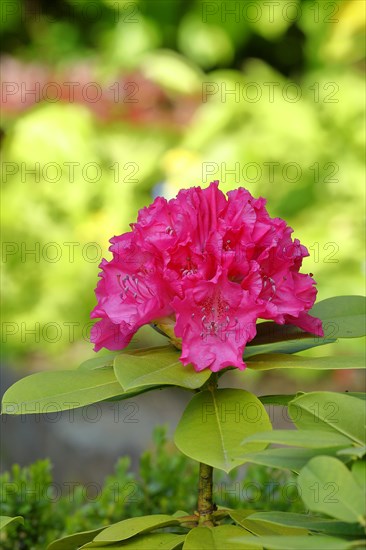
(205, 504)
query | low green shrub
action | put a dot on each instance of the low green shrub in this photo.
(159, 487)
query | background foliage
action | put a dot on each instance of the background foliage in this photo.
(166, 119)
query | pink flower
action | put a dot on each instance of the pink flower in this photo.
(210, 264)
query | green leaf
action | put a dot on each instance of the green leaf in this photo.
(180, 513)
(156, 541)
(301, 438)
(288, 347)
(133, 526)
(305, 521)
(214, 424)
(282, 400)
(240, 515)
(274, 338)
(327, 486)
(283, 518)
(73, 541)
(270, 332)
(262, 528)
(60, 390)
(6, 520)
(358, 394)
(287, 458)
(353, 452)
(160, 366)
(359, 473)
(217, 538)
(132, 393)
(105, 360)
(311, 542)
(283, 361)
(330, 411)
(342, 316)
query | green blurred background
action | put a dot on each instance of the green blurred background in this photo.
(108, 103)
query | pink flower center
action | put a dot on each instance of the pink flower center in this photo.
(190, 268)
(216, 320)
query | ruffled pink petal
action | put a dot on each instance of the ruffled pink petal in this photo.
(306, 322)
(106, 334)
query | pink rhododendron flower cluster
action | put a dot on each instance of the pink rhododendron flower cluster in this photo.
(209, 264)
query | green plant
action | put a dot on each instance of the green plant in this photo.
(223, 440)
(156, 487)
(326, 450)
(28, 492)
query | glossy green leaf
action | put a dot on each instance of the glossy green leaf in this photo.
(74, 541)
(6, 520)
(50, 391)
(287, 458)
(271, 332)
(240, 515)
(133, 526)
(330, 411)
(100, 361)
(353, 452)
(342, 316)
(306, 521)
(309, 542)
(217, 538)
(180, 513)
(132, 393)
(263, 528)
(283, 361)
(274, 338)
(156, 541)
(260, 528)
(358, 394)
(282, 400)
(359, 473)
(288, 347)
(214, 424)
(160, 366)
(301, 438)
(283, 518)
(327, 486)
